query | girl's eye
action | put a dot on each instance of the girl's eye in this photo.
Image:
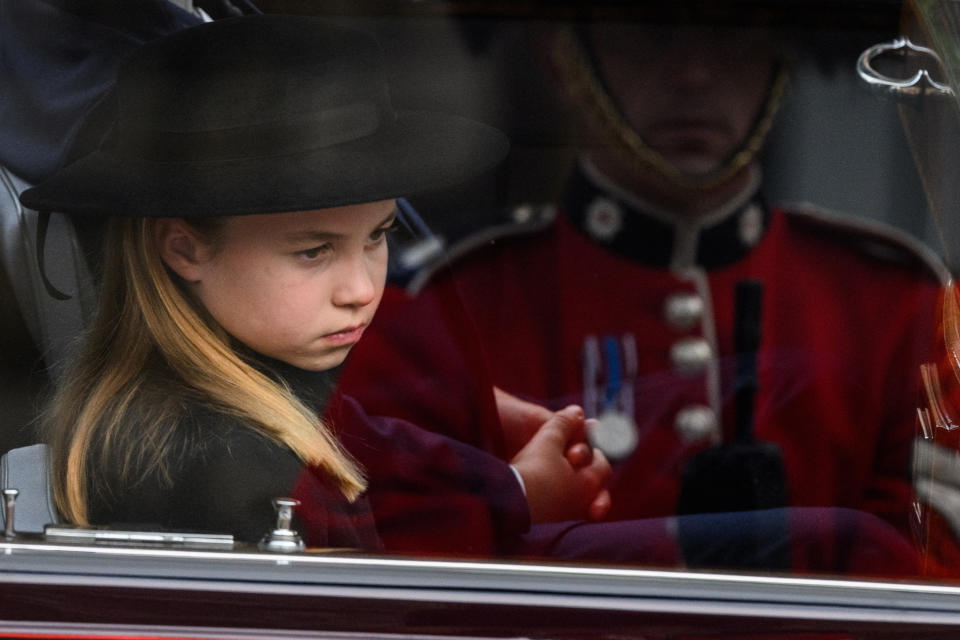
(315, 253)
(377, 236)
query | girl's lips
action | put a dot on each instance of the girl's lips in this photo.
(346, 336)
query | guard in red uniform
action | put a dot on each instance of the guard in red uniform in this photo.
(621, 298)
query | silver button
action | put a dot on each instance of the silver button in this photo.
(683, 311)
(523, 214)
(751, 225)
(690, 356)
(604, 219)
(695, 423)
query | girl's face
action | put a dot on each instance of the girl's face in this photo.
(298, 287)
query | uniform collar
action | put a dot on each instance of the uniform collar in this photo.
(612, 216)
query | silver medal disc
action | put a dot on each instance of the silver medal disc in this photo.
(615, 434)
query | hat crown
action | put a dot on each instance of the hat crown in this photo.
(237, 79)
(262, 114)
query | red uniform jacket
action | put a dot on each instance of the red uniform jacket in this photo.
(623, 310)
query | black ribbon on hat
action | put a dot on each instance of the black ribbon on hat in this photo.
(43, 223)
(318, 130)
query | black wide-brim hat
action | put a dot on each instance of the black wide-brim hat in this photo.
(263, 114)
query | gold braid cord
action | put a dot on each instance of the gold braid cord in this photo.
(585, 89)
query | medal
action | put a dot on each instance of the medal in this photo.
(614, 433)
(610, 369)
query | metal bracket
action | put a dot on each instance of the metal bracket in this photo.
(283, 539)
(919, 84)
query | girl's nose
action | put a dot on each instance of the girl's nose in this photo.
(355, 285)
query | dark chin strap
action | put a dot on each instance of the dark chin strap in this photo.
(43, 223)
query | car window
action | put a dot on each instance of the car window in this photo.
(644, 310)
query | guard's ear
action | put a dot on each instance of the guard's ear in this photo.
(182, 248)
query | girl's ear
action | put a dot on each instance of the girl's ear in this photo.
(181, 248)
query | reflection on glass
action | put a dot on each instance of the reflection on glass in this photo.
(765, 435)
(616, 346)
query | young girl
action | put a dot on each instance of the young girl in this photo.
(249, 183)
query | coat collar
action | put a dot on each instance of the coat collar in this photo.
(612, 216)
(313, 388)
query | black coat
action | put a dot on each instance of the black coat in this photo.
(426, 492)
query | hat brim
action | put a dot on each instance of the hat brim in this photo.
(419, 152)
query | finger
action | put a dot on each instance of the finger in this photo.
(512, 409)
(598, 471)
(520, 420)
(579, 454)
(590, 424)
(600, 506)
(563, 427)
(578, 431)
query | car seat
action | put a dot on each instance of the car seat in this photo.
(26, 469)
(53, 323)
(39, 331)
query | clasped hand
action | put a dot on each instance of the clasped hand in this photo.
(563, 475)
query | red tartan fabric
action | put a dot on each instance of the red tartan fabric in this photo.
(430, 493)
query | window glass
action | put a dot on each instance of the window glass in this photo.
(649, 287)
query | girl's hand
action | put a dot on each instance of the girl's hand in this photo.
(558, 490)
(580, 454)
(520, 420)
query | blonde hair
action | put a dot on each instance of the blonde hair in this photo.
(114, 405)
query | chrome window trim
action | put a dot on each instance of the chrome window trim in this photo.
(128, 631)
(475, 582)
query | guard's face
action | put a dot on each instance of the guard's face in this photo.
(691, 93)
(298, 287)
